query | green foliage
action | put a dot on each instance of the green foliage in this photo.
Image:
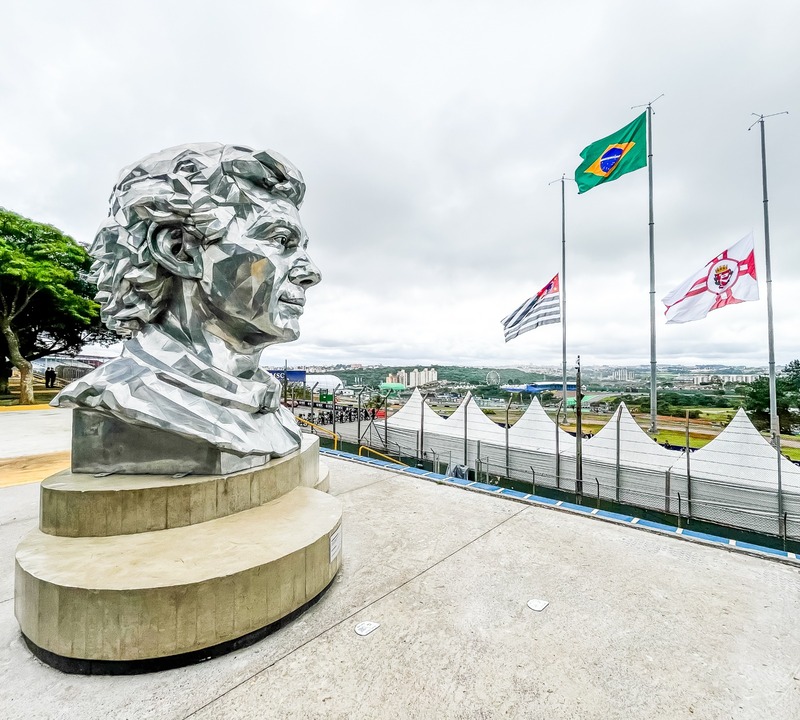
(792, 374)
(756, 403)
(676, 403)
(489, 391)
(376, 401)
(46, 303)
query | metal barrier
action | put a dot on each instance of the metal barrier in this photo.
(664, 491)
(321, 429)
(368, 449)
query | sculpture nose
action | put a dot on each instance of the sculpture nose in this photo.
(305, 273)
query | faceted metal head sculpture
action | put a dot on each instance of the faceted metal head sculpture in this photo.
(202, 263)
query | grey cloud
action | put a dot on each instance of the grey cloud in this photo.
(427, 134)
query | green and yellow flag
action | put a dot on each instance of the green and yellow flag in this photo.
(621, 152)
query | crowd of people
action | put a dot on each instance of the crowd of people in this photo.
(343, 415)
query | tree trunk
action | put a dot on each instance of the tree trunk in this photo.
(19, 362)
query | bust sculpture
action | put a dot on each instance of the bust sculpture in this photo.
(201, 264)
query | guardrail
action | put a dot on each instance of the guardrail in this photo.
(321, 429)
(379, 454)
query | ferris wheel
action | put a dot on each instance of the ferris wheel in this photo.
(493, 377)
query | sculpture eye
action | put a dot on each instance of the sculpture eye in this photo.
(285, 240)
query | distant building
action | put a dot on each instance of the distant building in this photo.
(413, 378)
(324, 382)
(622, 374)
(701, 379)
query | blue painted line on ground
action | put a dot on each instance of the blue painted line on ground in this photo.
(615, 516)
(657, 526)
(415, 471)
(761, 548)
(541, 500)
(484, 486)
(513, 493)
(576, 508)
(706, 536)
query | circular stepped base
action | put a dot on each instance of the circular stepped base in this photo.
(75, 666)
(144, 596)
(79, 505)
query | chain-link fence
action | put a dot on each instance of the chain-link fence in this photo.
(665, 491)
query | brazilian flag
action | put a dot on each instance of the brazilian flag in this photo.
(621, 152)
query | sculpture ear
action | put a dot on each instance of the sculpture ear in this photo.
(175, 250)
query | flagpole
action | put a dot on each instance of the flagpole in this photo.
(563, 290)
(653, 389)
(774, 424)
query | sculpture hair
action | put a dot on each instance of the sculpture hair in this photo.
(201, 188)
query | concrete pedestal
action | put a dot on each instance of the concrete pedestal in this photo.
(136, 573)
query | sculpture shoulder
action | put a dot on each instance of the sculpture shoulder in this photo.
(87, 390)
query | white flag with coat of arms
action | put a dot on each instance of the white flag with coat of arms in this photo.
(727, 279)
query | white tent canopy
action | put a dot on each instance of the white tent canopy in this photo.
(732, 480)
(408, 417)
(636, 447)
(741, 456)
(535, 430)
(479, 427)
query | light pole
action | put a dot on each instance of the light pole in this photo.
(422, 428)
(386, 421)
(508, 405)
(334, 410)
(312, 400)
(359, 414)
(579, 431)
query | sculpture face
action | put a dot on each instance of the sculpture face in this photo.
(202, 263)
(254, 280)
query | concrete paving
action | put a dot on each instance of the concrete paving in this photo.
(34, 432)
(638, 625)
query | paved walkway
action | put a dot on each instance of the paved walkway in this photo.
(35, 442)
(638, 625)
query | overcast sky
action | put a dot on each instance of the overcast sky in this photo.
(427, 133)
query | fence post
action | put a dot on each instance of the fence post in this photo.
(421, 436)
(533, 480)
(558, 453)
(508, 404)
(386, 420)
(679, 509)
(598, 492)
(784, 530)
(688, 470)
(478, 460)
(616, 490)
(466, 448)
(667, 479)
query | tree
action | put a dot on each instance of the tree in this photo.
(792, 373)
(756, 403)
(46, 302)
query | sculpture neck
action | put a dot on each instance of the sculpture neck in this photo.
(190, 321)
